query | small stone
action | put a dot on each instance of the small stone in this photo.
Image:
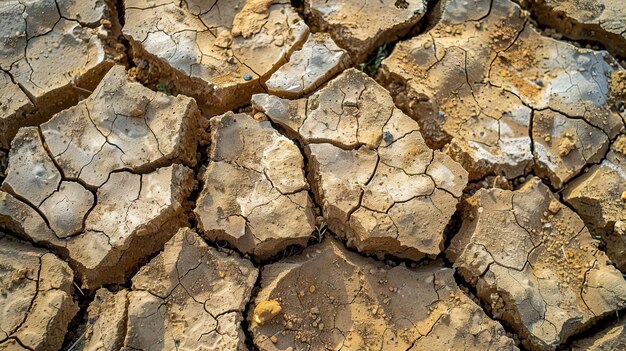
(265, 311)
(554, 207)
(247, 77)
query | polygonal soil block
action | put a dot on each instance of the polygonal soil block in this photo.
(546, 277)
(308, 68)
(512, 88)
(189, 297)
(331, 299)
(122, 126)
(105, 325)
(603, 21)
(255, 195)
(361, 27)
(599, 197)
(135, 214)
(612, 337)
(53, 54)
(36, 301)
(219, 52)
(378, 183)
(99, 178)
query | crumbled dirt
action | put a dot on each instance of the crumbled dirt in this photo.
(548, 279)
(225, 175)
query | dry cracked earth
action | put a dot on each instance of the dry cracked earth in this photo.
(279, 175)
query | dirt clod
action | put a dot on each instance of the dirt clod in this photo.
(54, 53)
(520, 100)
(95, 180)
(547, 279)
(404, 175)
(378, 183)
(362, 304)
(599, 197)
(255, 194)
(360, 28)
(265, 311)
(218, 52)
(36, 302)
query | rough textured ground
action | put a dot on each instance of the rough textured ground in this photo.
(287, 175)
(52, 54)
(502, 98)
(308, 68)
(599, 197)
(602, 21)
(378, 183)
(362, 304)
(87, 183)
(612, 338)
(360, 27)
(547, 279)
(188, 297)
(255, 194)
(216, 51)
(35, 297)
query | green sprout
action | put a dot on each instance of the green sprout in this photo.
(371, 67)
(319, 233)
(163, 88)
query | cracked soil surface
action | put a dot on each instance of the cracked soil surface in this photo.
(276, 175)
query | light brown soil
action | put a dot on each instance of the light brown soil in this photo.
(276, 175)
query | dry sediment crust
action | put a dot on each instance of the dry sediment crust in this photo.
(189, 297)
(52, 54)
(486, 85)
(218, 52)
(99, 178)
(360, 27)
(36, 302)
(333, 299)
(100, 173)
(547, 278)
(318, 60)
(255, 194)
(612, 338)
(599, 197)
(122, 126)
(599, 20)
(106, 322)
(378, 183)
(115, 239)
